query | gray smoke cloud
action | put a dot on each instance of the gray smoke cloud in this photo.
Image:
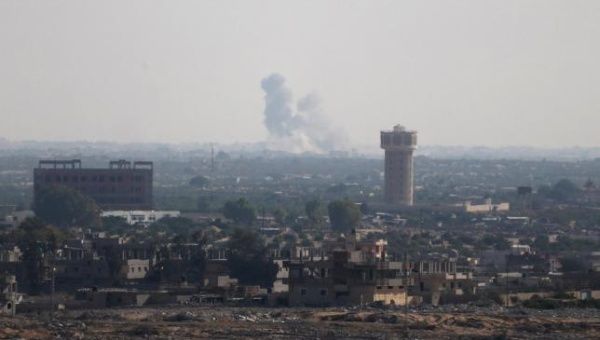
(301, 127)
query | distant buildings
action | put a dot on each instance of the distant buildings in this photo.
(362, 272)
(121, 186)
(399, 145)
(356, 274)
(486, 207)
(141, 217)
(11, 217)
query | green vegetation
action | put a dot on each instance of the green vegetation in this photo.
(344, 215)
(240, 211)
(199, 181)
(248, 259)
(172, 225)
(562, 190)
(496, 241)
(36, 240)
(314, 211)
(66, 207)
(115, 225)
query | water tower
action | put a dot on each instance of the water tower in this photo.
(399, 145)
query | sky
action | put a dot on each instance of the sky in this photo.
(492, 73)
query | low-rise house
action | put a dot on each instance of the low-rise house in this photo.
(486, 207)
(10, 254)
(136, 269)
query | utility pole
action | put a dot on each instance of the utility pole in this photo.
(212, 158)
(406, 265)
(52, 291)
(506, 281)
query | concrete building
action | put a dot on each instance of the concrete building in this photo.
(399, 145)
(341, 280)
(353, 272)
(121, 186)
(486, 207)
(141, 217)
(136, 269)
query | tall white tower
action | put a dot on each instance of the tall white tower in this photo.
(399, 145)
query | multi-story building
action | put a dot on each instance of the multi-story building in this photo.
(121, 186)
(353, 273)
(399, 145)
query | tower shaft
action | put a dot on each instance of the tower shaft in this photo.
(399, 146)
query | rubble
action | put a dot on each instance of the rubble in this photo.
(177, 322)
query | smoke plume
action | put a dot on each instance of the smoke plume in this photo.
(303, 128)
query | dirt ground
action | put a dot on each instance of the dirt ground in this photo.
(287, 323)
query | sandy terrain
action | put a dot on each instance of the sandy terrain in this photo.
(284, 323)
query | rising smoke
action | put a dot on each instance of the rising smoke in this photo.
(301, 129)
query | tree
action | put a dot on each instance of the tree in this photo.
(562, 190)
(199, 181)
(248, 260)
(115, 262)
(279, 214)
(572, 264)
(314, 211)
(496, 241)
(173, 225)
(38, 242)
(65, 207)
(203, 204)
(115, 224)
(364, 208)
(240, 211)
(344, 215)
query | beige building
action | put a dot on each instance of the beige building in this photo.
(399, 145)
(486, 207)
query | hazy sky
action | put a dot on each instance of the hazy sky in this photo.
(460, 72)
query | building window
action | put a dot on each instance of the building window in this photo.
(323, 292)
(303, 291)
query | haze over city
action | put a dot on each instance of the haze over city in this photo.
(490, 73)
(299, 169)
